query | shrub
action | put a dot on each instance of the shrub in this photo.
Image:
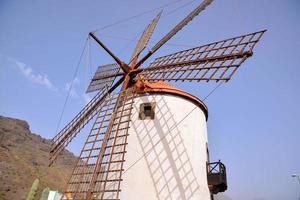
(32, 193)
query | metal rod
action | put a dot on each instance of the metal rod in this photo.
(123, 65)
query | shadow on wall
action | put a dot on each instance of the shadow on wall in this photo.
(165, 153)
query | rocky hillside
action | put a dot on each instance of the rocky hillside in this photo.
(24, 157)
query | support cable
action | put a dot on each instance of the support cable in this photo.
(135, 39)
(178, 8)
(213, 90)
(71, 85)
(137, 15)
(164, 15)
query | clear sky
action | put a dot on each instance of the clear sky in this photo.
(254, 120)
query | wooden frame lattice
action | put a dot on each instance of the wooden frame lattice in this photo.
(215, 61)
(65, 136)
(98, 172)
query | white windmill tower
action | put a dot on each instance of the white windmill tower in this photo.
(150, 141)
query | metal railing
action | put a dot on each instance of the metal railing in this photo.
(216, 177)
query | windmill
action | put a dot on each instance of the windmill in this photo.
(149, 141)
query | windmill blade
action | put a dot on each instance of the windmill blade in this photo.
(175, 30)
(97, 174)
(144, 39)
(216, 61)
(65, 136)
(104, 77)
(78, 183)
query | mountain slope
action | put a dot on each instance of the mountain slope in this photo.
(24, 157)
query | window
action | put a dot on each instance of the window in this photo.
(147, 111)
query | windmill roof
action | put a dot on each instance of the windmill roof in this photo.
(163, 87)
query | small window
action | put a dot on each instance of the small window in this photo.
(147, 111)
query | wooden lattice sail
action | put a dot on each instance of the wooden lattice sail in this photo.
(98, 171)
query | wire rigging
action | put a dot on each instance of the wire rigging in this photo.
(90, 58)
(135, 16)
(135, 39)
(213, 90)
(72, 83)
(163, 15)
(178, 8)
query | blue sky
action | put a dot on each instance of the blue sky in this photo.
(253, 121)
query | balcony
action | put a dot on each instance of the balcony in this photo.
(216, 177)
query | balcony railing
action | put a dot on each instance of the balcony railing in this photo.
(216, 177)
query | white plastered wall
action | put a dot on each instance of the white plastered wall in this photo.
(166, 157)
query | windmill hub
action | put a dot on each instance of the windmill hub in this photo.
(133, 74)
